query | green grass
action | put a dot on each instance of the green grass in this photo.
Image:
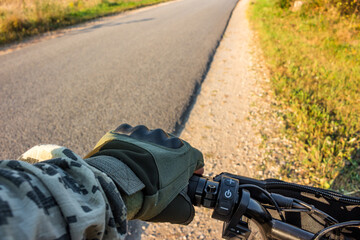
(48, 15)
(314, 58)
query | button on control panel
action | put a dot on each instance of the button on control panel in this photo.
(230, 182)
(228, 194)
(224, 207)
(227, 198)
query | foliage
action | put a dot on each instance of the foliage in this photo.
(21, 18)
(314, 59)
(345, 7)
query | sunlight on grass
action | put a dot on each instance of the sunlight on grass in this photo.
(21, 18)
(314, 57)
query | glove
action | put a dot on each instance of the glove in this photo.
(162, 162)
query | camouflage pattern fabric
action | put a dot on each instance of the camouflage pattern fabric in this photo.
(61, 198)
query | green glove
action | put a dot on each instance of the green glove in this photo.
(162, 162)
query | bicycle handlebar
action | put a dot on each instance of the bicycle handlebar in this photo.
(234, 205)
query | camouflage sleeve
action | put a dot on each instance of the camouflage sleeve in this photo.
(61, 198)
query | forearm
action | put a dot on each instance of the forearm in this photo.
(132, 170)
(62, 197)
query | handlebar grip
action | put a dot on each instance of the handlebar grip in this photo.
(198, 194)
(193, 183)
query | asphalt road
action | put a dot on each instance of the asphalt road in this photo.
(139, 68)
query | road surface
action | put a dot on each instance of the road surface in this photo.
(140, 68)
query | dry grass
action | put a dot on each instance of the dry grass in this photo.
(314, 57)
(39, 9)
(21, 18)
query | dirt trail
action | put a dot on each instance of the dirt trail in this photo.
(222, 124)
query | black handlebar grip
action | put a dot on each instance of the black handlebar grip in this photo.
(193, 182)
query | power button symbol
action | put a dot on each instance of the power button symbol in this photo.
(228, 194)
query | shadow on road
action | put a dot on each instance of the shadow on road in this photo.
(110, 24)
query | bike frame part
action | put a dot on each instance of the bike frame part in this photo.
(230, 204)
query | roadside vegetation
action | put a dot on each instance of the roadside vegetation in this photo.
(313, 54)
(21, 18)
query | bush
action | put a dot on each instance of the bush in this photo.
(284, 4)
(348, 7)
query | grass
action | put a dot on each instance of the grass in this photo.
(22, 18)
(314, 57)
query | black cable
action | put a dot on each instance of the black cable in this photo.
(320, 213)
(268, 195)
(295, 210)
(324, 231)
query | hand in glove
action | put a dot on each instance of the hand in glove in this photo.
(154, 162)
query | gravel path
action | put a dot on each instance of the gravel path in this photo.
(226, 121)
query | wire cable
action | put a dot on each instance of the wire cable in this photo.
(329, 219)
(324, 231)
(295, 210)
(278, 209)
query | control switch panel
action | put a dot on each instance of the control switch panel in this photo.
(227, 198)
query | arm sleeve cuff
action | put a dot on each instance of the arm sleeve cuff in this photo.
(119, 172)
